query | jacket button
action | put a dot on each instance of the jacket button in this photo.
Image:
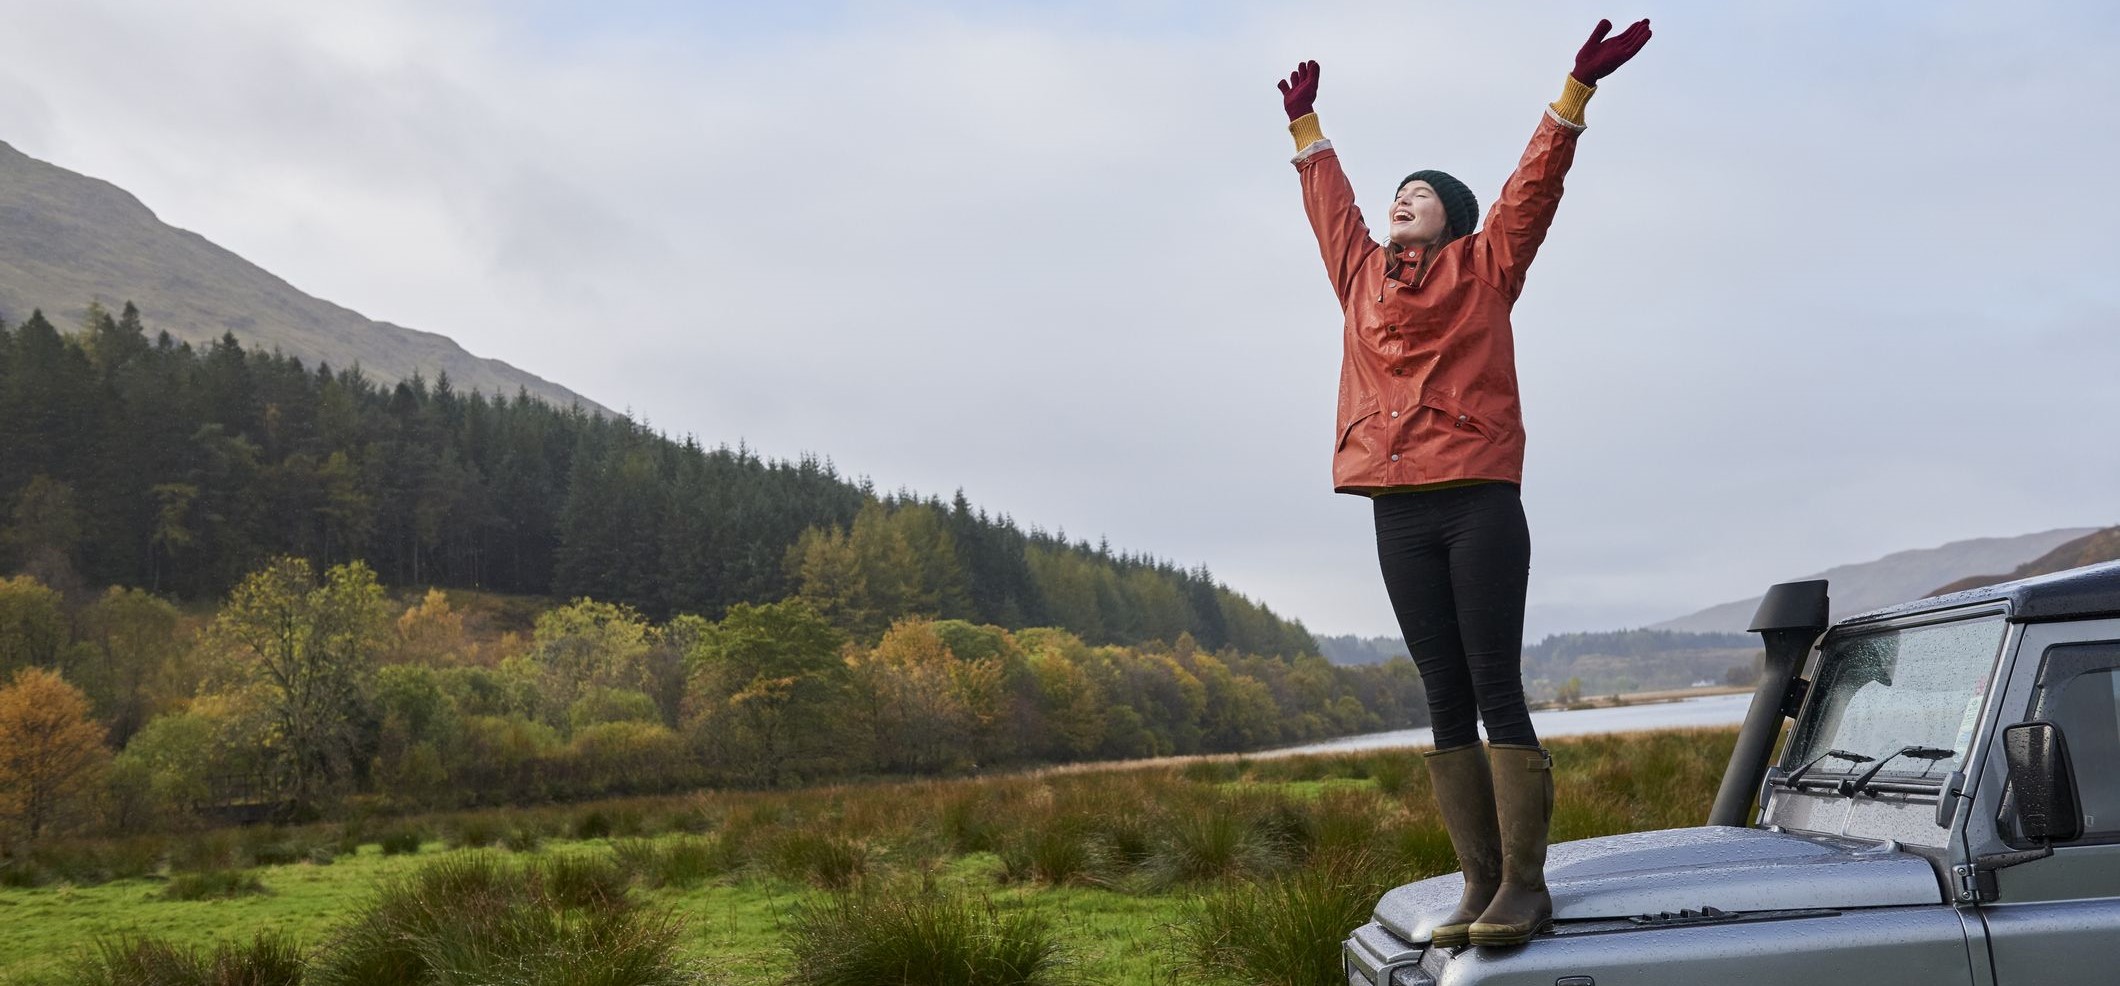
(1394, 414)
(1394, 457)
(1391, 328)
(1461, 417)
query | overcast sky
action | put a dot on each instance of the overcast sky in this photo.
(1830, 280)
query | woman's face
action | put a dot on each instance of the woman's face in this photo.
(1417, 216)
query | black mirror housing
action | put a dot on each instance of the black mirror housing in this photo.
(2042, 782)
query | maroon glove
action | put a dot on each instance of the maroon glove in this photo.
(1600, 56)
(1301, 90)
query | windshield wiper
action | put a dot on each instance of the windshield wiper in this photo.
(1798, 773)
(1928, 753)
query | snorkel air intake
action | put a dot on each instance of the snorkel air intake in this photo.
(1788, 622)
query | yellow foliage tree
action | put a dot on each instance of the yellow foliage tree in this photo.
(432, 634)
(51, 752)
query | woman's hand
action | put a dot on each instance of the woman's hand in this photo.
(1301, 89)
(1599, 56)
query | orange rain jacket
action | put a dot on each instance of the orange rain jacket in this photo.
(1428, 372)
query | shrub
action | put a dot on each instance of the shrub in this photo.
(594, 825)
(268, 959)
(85, 862)
(274, 852)
(475, 918)
(922, 939)
(216, 850)
(522, 839)
(1284, 930)
(399, 841)
(474, 832)
(213, 885)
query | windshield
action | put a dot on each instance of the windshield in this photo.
(1879, 693)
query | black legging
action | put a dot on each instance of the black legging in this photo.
(1456, 562)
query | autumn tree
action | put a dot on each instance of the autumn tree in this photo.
(33, 625)
(763, 682)
(587, 645)
(312, 648)
(51, 752)
(131, 659)
(431, 632)
(924, 708)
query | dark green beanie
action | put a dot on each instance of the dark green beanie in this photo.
(1460, 207)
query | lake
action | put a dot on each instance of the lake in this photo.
(1711, 710)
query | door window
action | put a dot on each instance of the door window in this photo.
(2079, 691)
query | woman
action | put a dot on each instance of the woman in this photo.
(1429, 427)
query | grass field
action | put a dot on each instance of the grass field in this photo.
(1122, 865)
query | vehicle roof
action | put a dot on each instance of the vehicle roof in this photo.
(2078, 593)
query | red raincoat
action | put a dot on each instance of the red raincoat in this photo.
(1428, 374)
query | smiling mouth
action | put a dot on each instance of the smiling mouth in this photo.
(1402, 216)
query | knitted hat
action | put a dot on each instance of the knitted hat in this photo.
(1460, 207)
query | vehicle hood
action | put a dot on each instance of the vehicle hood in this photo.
(1734, 869)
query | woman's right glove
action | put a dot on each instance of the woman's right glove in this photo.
(1600, 55)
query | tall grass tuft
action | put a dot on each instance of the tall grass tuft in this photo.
(688, 861)
(1283, 930)
(1393, 771)
(829, 861)
(1208, 843)
(475, 918)
(913, 938)
(267, 959)
(573, 880)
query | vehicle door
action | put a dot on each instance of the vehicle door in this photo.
(2057, 920)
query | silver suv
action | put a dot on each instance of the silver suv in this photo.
(1946, 810)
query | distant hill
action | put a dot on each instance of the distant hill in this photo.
(2090, 549)
(1349, 649)
(1602, 663)
(67, 240)
(1895, 578)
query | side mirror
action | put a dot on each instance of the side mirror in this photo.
(2042, 783)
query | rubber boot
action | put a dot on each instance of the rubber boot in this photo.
(1464, 796)
(1523, 801)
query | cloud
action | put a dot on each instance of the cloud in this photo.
(1827, 282)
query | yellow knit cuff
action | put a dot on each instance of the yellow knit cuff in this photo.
(1574, 96)
(1305, 129)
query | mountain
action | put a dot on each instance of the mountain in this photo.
(67, 240)
(1895, 578)
(1598, 663)
(2090, 549)
(1352, 649)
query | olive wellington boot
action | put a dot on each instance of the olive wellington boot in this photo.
(1523, 802)
(1464, 796)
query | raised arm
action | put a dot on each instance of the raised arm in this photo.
(1328, 199)
(1522, 213)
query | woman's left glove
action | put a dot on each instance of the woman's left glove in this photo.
(1600, 55)
(1300, 92)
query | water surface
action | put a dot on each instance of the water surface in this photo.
(1712, 710)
